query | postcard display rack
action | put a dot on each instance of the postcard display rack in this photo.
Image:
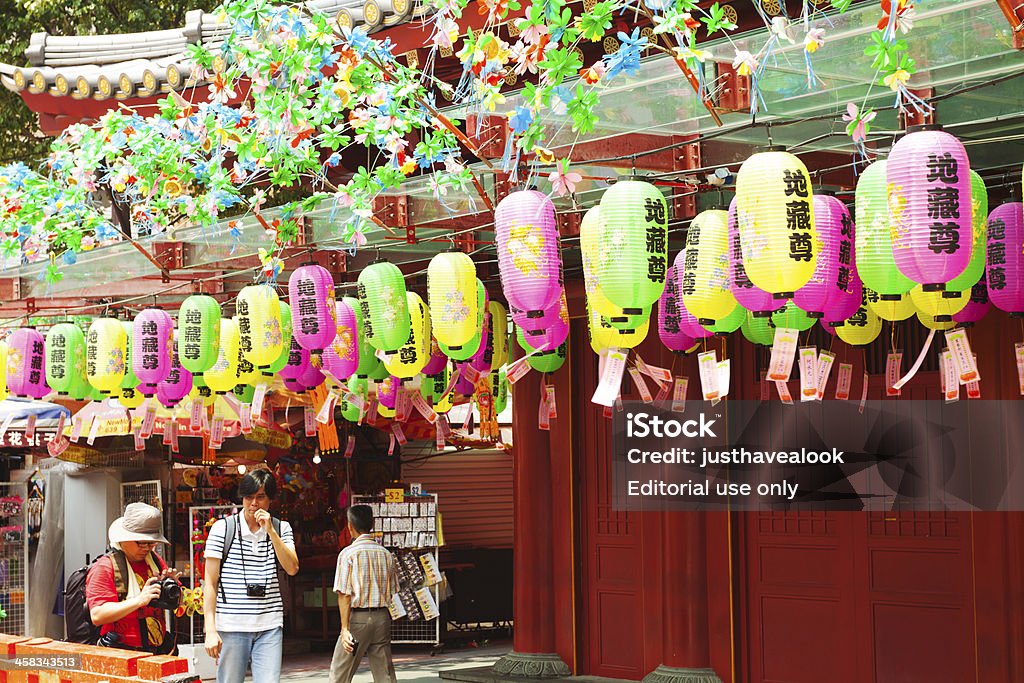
(13, 557)
(200, 519)
(409, 530)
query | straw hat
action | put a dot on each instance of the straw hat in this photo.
(140, 522)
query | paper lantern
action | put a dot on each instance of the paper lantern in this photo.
(130, 381)
(311, 377)
(835, 267)
(890, 307)
(689, 324)
(379, 372)
(451, 292)
(842, 303)
(106, 353)
(929, 191)
(1004, 264)
(940, 305)
(775, 219)
(556, 331)
(130, 397)
(384, 306)
(602, 335)
(499, 390)
(438, 361)
(285, 314)
(499, 333)
(793, 317)
(704, 262)
(244, 394)
(152, 332)
(861, 328)
(260, 338)
(298, 361)
(201, 392)
(432, 388)
(483, 358)
(634, 237)
(469, 349)
(245, 370)
(729, 323)
(366, 353)
(977, 305)
(529, 256)
(311, 295)
(387, 391)
(413, 355)
(537, 324)
(351, 410)
(26, 364)
(549, 361)
(758, 330)
(65, 360)
(198, 333)
(591, 253)
(3, 371)
(173, 389)
(752, 298)
(875, 261)
(933, 323)
(222, 377)
(979, 224)
(341, 357)
(670, 330)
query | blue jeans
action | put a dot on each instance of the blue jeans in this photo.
(262, 648)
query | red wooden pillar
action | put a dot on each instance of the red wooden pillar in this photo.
(686, 655)
(533, 645)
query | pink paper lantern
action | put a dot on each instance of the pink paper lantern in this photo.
(311, 295)
(341, 356)
(689, 324)
(529, 259)
(481, 360)
(173, 389)
(298, 361)
(387, 391)
(26, 364)
(842, 304)
(834, 268)
(463, 386)
(748, 295)
(930, 206)
(1004, 262)
(294, 384)
(438, 361)
(977, 306)
(670, 329)
(152, 335)
(311, 377)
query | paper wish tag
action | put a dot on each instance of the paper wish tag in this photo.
(783, 351)
(245, 419)
(516, 371)
(309, 421)
(94, 430)
(403, 405)
(196, 414)
(57, 447)
(326, 412)
(844, 381)
(30, 427)
(679, 395)
(217, 432)
(974, 386)
(350, 446)
(439, 442)
(396, 429)
(825, 360)
(641, 385)
(258, 396)
(140, 441)
(892, 372)
(552, 402)
(948, 377)
(174, 437)
(707, 363)
(765, 386)
(864, 394)
(724, 376)
(966, 362)
(423, 408)
(1018, 350)
(783, 389)
(148, 422)
(808, 373)
(611, 377)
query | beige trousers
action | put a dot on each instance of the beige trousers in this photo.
(372, 630)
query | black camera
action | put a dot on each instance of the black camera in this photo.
(256, 590)
(170, 595)
(110, 639)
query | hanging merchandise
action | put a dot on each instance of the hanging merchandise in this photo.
(634, 233)
(106, 354)
(892, 308)
(150, 354)
(670, 330)
(730, 323)
(341, 357)
(979, 224)
(929, 193)
(178, 383)
(977, 305)
(414, 354)
(311, 294)
(754, 299)
(940, 305)
(704, 261)
(833, 273)
(793, 317)
(499, 333)
(875, 261)
(221, 378)
(260, 339)
(529, 255)
(861, 328)
(65, 360)
(775, 218)
(451, 293)
(198, 333)
(384, 306)
(758, 330)
(1004, 267)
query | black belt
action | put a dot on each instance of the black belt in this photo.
(368, 609)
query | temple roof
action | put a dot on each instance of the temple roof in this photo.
(130, 65)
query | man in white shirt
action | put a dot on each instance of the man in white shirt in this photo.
(242, 606)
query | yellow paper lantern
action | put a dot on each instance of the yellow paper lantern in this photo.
(775, 219)
(939, 305)
(499, 333)
(592, 254)
(3, 370)
(106, 355)
(889, 308)
(130, 397)
(260, 338)
(451, 291)
(414, 354)
(862, 327)
(222, 377)
(933, 323)
(201, 392)
(704, 264)
(246, 372)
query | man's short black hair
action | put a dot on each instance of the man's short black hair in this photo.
(361, 518)
(251, 483)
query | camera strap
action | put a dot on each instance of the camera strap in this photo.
(241, 549)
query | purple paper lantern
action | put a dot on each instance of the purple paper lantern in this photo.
(556, 329)
(341, 356)
(438, 361)
(747, 294)
(294, 384)
(298, 361)
(481, 360)
(670, 329)
(26, 364)
(841, 303)
(387, 391)
(311, 377)
(1004, 261)
(977, 306)
(930, 206)
(173, 389)
(689, 324)
(833, 272)
(529, 259)
(311, 295)
(152, 335)
(463, 386)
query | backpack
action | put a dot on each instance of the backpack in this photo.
(230, 531)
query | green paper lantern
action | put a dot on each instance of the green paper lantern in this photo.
(385, 308)
(499, 390)
(634, 229)
(979, 237)
(545, 361)
(285, 312)
(758, 330)
(65, 360)
(244, 393)
(199, 333)
(875, 262)
(731, 322)
(793, 317)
